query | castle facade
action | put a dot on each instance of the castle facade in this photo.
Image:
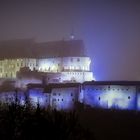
(120, 95)
(57, 75)
(60, 63)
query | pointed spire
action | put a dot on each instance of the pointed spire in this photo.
(72, 36)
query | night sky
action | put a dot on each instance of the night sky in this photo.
(110, 30)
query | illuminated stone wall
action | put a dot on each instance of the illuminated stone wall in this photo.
(122, 97)
(64, 98)
(138, 97)
(49, 65)
(97, 96)
(74, 69)
(77, 76)
(37, 96)
(9, 67)
(76, 63)
(57, 98)
(110, 96)
(10, 96)
(66, 69)
(64, 64)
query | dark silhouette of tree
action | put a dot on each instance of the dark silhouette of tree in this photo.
(23, 122)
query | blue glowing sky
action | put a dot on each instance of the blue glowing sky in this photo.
(110, 30)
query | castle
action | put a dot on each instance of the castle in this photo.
(59, 61)
(57, 74)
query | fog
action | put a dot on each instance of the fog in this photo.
(110, 30)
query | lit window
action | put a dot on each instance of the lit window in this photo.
(72, 67)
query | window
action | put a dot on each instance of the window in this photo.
(54, 94)
(71, 59)
(71, 94)
(99, 98)
(78, 59)
(62, 99)
(128, 97)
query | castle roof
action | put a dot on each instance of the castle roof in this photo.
(48, 88)
(121, 83)
(28, 48)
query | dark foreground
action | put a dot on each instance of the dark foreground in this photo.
(28, 123)
(112, 124)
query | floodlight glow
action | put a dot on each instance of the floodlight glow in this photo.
(36, 97)
(111, 98)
